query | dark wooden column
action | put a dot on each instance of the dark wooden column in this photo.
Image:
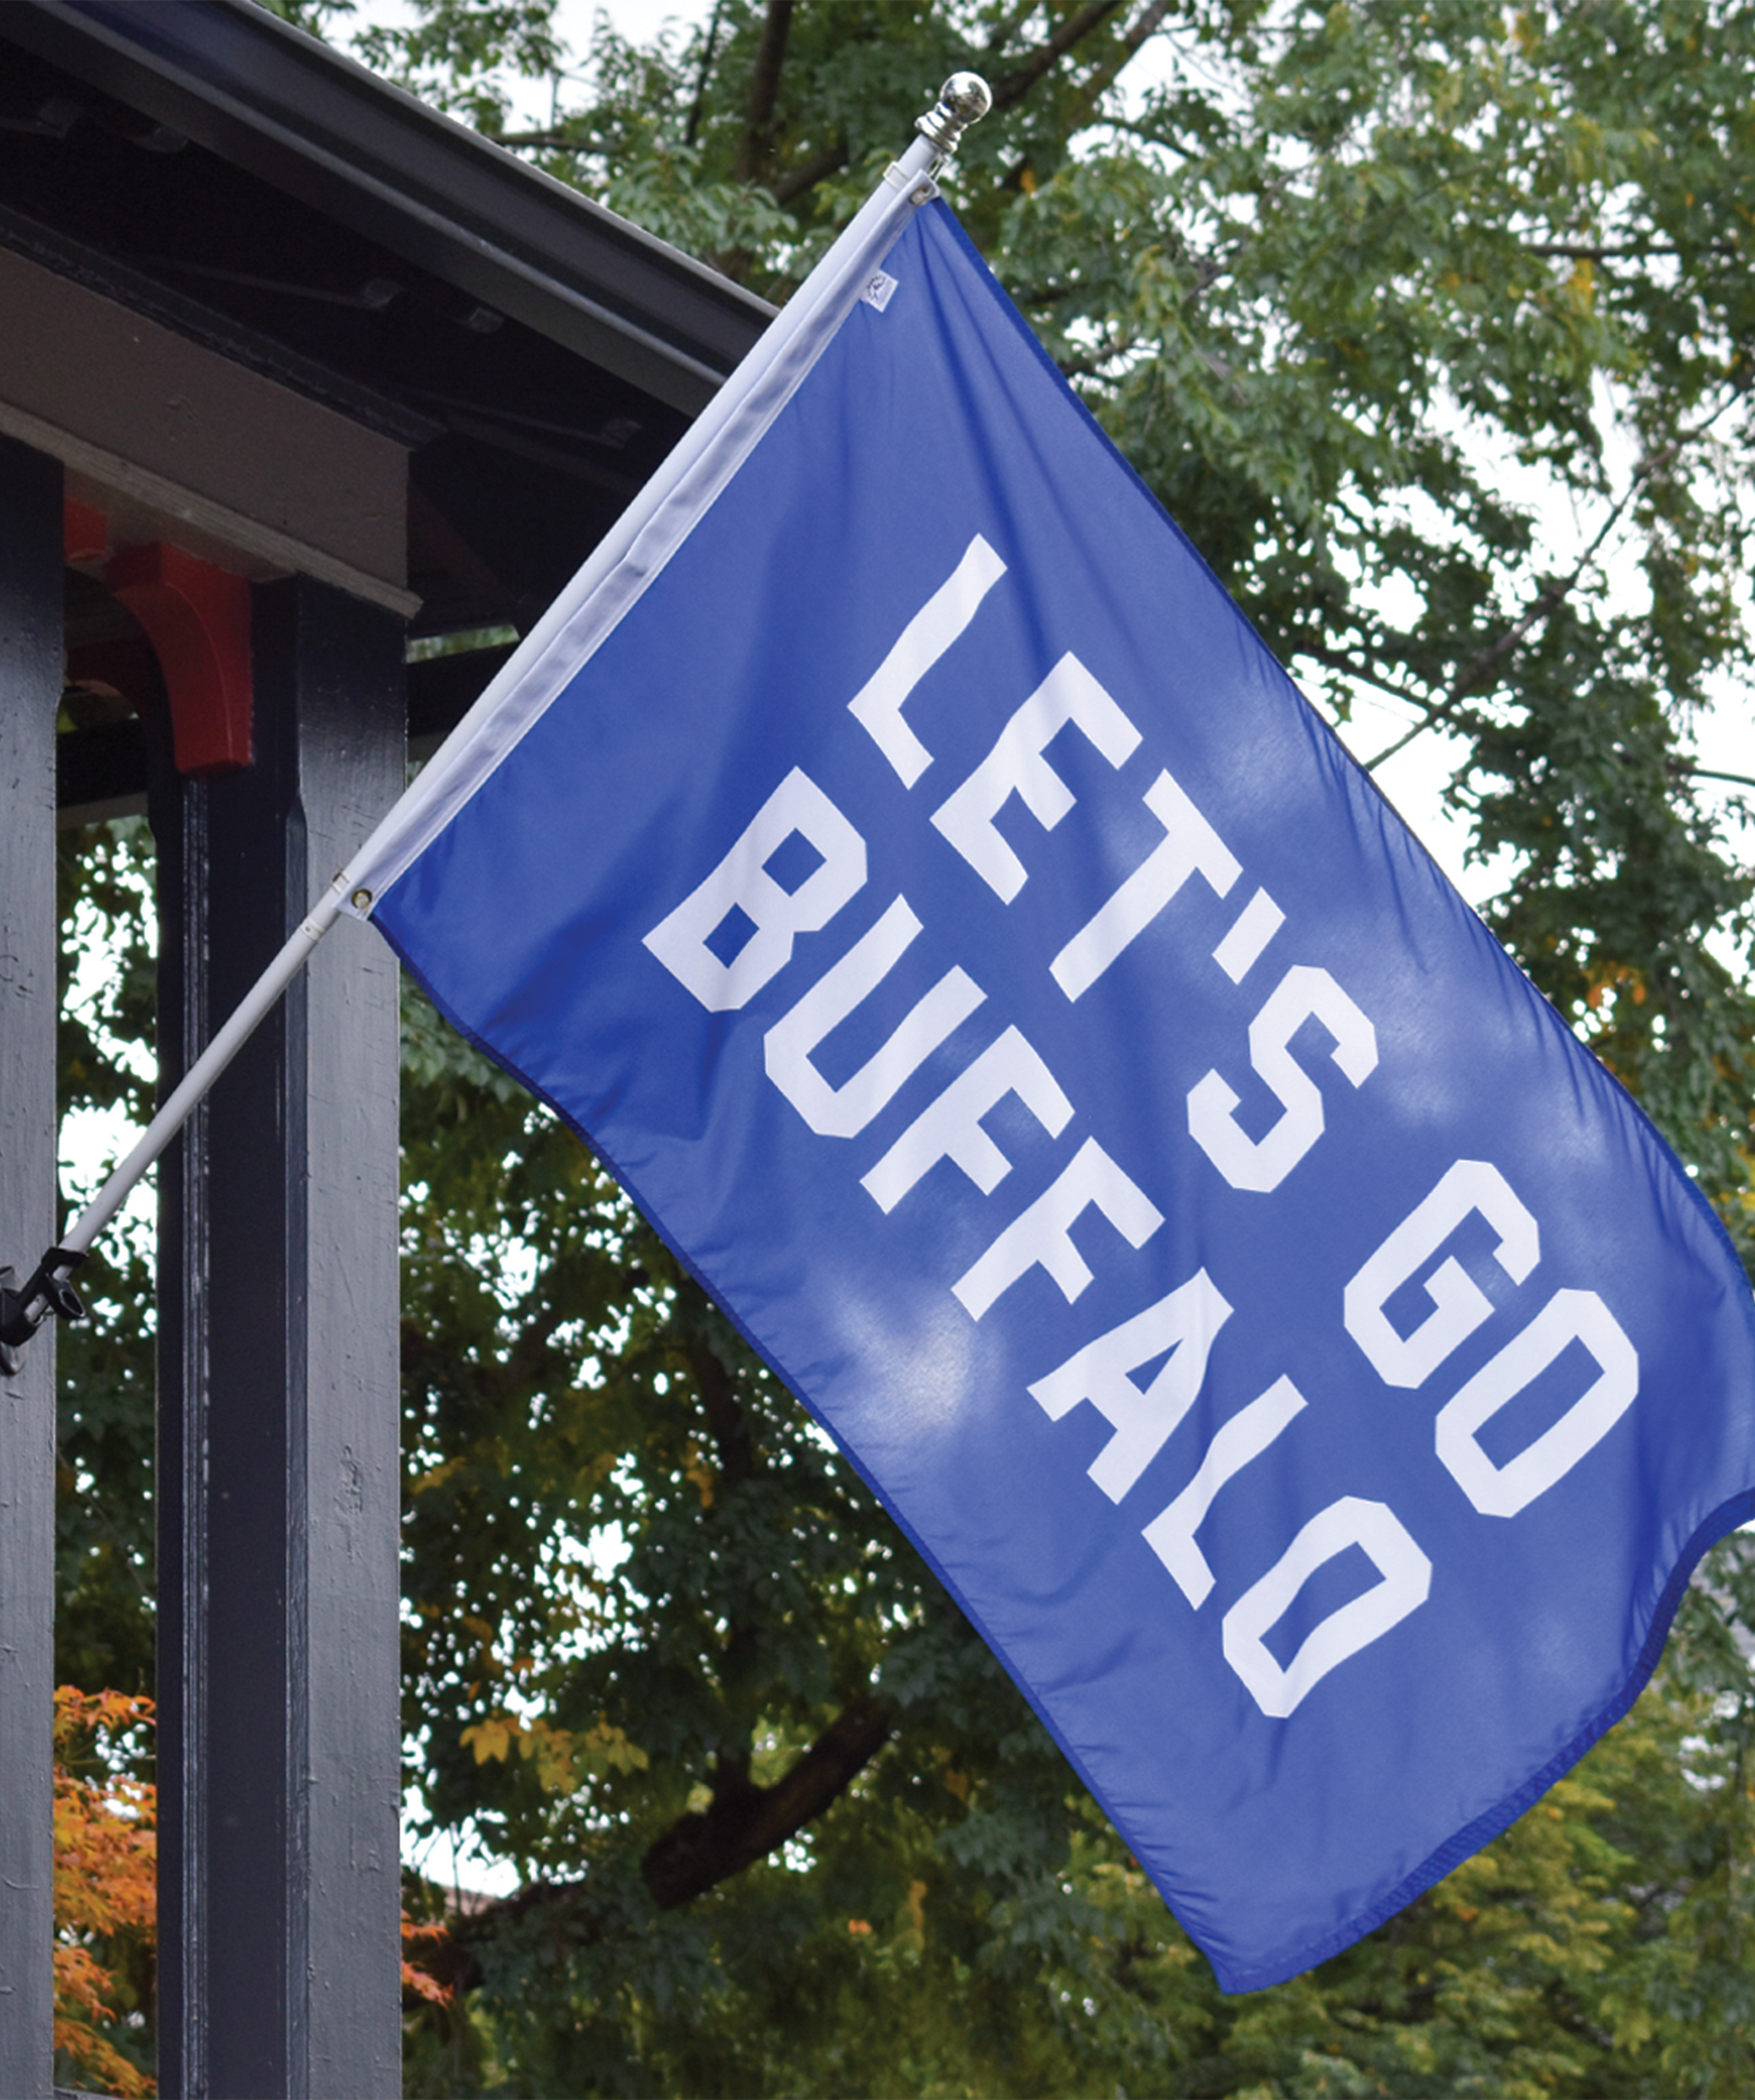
(279, 1728)
(30, 694)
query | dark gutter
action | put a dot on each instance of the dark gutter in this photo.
(238, 80)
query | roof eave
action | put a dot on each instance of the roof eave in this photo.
(238, 80)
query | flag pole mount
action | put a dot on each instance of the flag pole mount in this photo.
(23, 1312)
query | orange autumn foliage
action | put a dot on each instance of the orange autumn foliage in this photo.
(106, 1894)
(414, 1938)
(105, 1890)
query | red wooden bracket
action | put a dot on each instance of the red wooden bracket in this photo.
(197, 620)
(85, 534)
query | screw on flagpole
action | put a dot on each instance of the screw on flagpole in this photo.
(963, 100)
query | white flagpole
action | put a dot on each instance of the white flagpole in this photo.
(779, 359)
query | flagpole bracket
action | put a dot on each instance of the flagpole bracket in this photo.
(963, 100)
(24, 1311)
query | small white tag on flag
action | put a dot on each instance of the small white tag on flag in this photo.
(878, 287)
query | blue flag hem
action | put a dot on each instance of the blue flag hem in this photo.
(1484, 1828)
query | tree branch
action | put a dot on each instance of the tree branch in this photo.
(1548, 601)
(725, 1418)
(702, 74)
(746, 1822)
(1005, 31)
(756, 145)
(830, 160)
(1012, 87)
(1612, 251)
(1556, 593)
(1106, 76)
(1362, 674)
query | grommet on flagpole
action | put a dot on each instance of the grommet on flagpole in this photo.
(963, 100)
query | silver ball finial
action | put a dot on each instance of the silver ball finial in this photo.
(963, 100)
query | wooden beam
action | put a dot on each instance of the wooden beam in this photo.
(280, 1738)
(177, 442)
(30, 692)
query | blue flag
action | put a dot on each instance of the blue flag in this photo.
(1300, 1359)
